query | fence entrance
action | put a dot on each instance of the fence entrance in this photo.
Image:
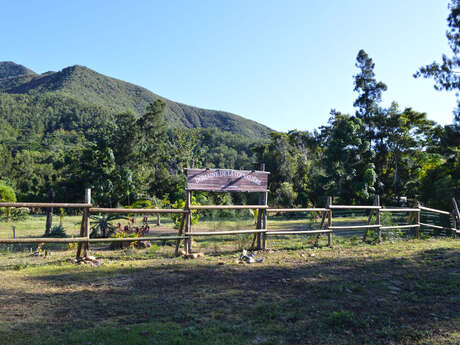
(226, 180)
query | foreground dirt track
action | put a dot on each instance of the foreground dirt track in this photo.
(407, 292)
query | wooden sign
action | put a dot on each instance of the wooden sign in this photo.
(227, 180)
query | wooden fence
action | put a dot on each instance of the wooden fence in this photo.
(261, 231)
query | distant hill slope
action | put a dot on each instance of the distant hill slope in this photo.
(90, 87)
(13, 75)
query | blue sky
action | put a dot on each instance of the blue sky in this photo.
(285, 64)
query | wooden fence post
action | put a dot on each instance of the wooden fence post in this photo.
(264, 221)
(261, 214)
(49, 212)
(258, 227)
(455, 215)
(188, 223)
(379, 230)
(321, 227)
(82, 250)
(181, 233)
(454, 224)
(87, 219)
(371, 213)
(329, 223)
(418, 217)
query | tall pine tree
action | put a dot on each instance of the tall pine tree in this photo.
(369, 96)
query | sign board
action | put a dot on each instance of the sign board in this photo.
(227, 180)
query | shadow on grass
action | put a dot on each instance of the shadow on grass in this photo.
(21, 247)
(357, 300)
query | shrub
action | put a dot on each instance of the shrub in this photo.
(56, 231)
(180, 204)
(124, 233)
(7, 194)
(285, 195)
(391, 234)
(102, 226)
(343, 318)
(15, 214)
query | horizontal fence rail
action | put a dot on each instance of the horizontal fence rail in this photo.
(296, 232)
(90, 240)
(224, 232)
(135, 239)
(137, 210)
(44, 240)
(185, 232)
(437, 227)
(399, 210)
(339, 227)
(423, 208)
(280, 210)
(43, 205)
(227, 207)
(353, 207)
(403, 226)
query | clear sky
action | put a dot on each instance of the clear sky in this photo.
(285, 63)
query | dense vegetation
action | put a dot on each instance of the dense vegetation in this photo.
(78, 128)
(85, 85)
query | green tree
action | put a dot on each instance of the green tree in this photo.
(445, 73)
(369, 95)
(185, 148)
(405, 141)
(350, 173)
(446, 77)
(152, 133)
(122, 138)
(289, 158)
(373, 117)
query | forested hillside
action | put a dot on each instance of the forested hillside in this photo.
(87, 86)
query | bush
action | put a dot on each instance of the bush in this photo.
(18, 214)
(390, 234)
(7, 194)
(124, 234)
(343, 318)
(102, 226)
(285, 195)
(56, 231)
(180, 204)
(14, 214)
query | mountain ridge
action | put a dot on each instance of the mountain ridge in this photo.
(85, 84)
(12, 75)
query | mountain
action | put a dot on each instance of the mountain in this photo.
(88, 87)
(13, 75)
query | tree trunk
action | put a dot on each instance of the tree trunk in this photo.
(49, 212)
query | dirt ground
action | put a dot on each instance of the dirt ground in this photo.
(406, 292)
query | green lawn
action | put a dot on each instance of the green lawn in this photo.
(399, 292)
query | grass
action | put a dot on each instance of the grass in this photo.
(399, 292)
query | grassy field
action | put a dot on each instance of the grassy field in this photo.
(34, 226)
(398, 292)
